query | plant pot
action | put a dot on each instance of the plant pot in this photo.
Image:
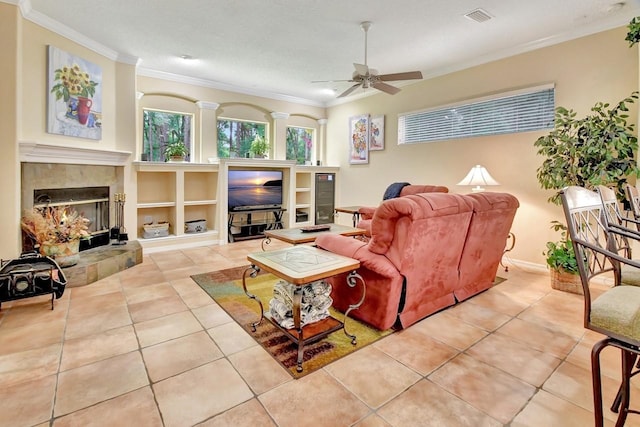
(65, 254)
(567, 282)
(176, 159)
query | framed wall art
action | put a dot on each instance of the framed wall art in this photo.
(74, 106)
(359, 139)
(376, 133)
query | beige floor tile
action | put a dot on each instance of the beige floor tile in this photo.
(211, 315)
(487, 388)
(539, 337)
(141, 278)
(93, 348)
(185, 286)
(373, 420)
(28, 403)
(201, 255)
(313, 400)
(526, 288)
(31, 336)
(155, 308)
(109, 318)
(148, 293)
(498, 301)
(29, 365)
(35, 312)
(515, 358)
(93, 305)
(450, 330)
(231, 338)
(179, 355)
(90, 384)
(426, 404)
(477, 315)
(101, 287)
(201, 393)
(548, 410)
(573, 383)
(248, 414)
(137, 408)
(417, 350)
(171, 260)
(166, 328)
(259, 369)
(560, 311)
(196, 299)
(373, 376)
(610, 359)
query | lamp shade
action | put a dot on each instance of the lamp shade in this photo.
(478, 176)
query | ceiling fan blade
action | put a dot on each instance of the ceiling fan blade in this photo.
(361, 69)
(409, 75)
(391, 90)
(329, 81)
(348, 91)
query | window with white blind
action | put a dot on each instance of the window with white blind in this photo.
(517, 111)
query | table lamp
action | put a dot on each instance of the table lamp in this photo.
(478, 176)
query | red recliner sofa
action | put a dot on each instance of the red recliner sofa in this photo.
(366, 212)
(427, 251)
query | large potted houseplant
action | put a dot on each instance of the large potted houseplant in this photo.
(561, 260)
(57, 231)
(598, 149)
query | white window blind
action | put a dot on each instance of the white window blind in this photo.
(512, 112)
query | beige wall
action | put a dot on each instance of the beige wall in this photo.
(596, 68)
(9, 165)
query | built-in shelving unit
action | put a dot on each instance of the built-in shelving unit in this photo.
(177, 193)
(182, 192)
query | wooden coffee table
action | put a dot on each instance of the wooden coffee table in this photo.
(301, 265)
(296, 236)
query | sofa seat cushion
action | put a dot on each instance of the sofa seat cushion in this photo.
(630, 275)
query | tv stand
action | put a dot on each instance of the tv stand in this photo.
(251, 224)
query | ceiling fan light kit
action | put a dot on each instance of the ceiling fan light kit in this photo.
(366, 77)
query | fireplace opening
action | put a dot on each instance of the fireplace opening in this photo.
(90, 202)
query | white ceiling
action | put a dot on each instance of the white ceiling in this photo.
(275, 48)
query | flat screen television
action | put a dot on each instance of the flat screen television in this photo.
(254, 189)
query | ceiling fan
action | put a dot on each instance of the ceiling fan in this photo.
(366, 77)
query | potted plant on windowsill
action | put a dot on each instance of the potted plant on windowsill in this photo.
(259, 147)
(176, 151)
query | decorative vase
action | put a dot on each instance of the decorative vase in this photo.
(565, 281)
(65, 254)
(72, 108)
(84, 108)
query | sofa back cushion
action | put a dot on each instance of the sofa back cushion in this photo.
(418, 189)
(490, 225)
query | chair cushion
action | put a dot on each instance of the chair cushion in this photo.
(630, 275)
(618, 311)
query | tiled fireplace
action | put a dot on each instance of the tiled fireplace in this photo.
(89, 188)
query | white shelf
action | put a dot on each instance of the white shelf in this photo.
(155, 205)
(200, 202)
(303, 190)
(303, 205)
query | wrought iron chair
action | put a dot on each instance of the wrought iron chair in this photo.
(633, 197)
(616, 312)
(614, 219)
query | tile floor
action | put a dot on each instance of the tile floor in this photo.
(147, 347)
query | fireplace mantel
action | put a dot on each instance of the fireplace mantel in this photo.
(36, 152)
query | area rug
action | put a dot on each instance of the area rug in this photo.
(225, 287)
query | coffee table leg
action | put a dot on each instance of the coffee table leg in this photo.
(297, 324)
(253, 271)
(352, 280)
(265, 241)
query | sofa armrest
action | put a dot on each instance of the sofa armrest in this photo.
(366, 212)
(357, 249)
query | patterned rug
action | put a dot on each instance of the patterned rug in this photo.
(225, 287)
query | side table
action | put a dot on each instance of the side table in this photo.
(353, 210)
(301, 265)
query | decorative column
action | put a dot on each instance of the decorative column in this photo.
(208, 147)
(321, 146)
(279, 135)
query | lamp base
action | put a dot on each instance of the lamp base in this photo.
(477, 189)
